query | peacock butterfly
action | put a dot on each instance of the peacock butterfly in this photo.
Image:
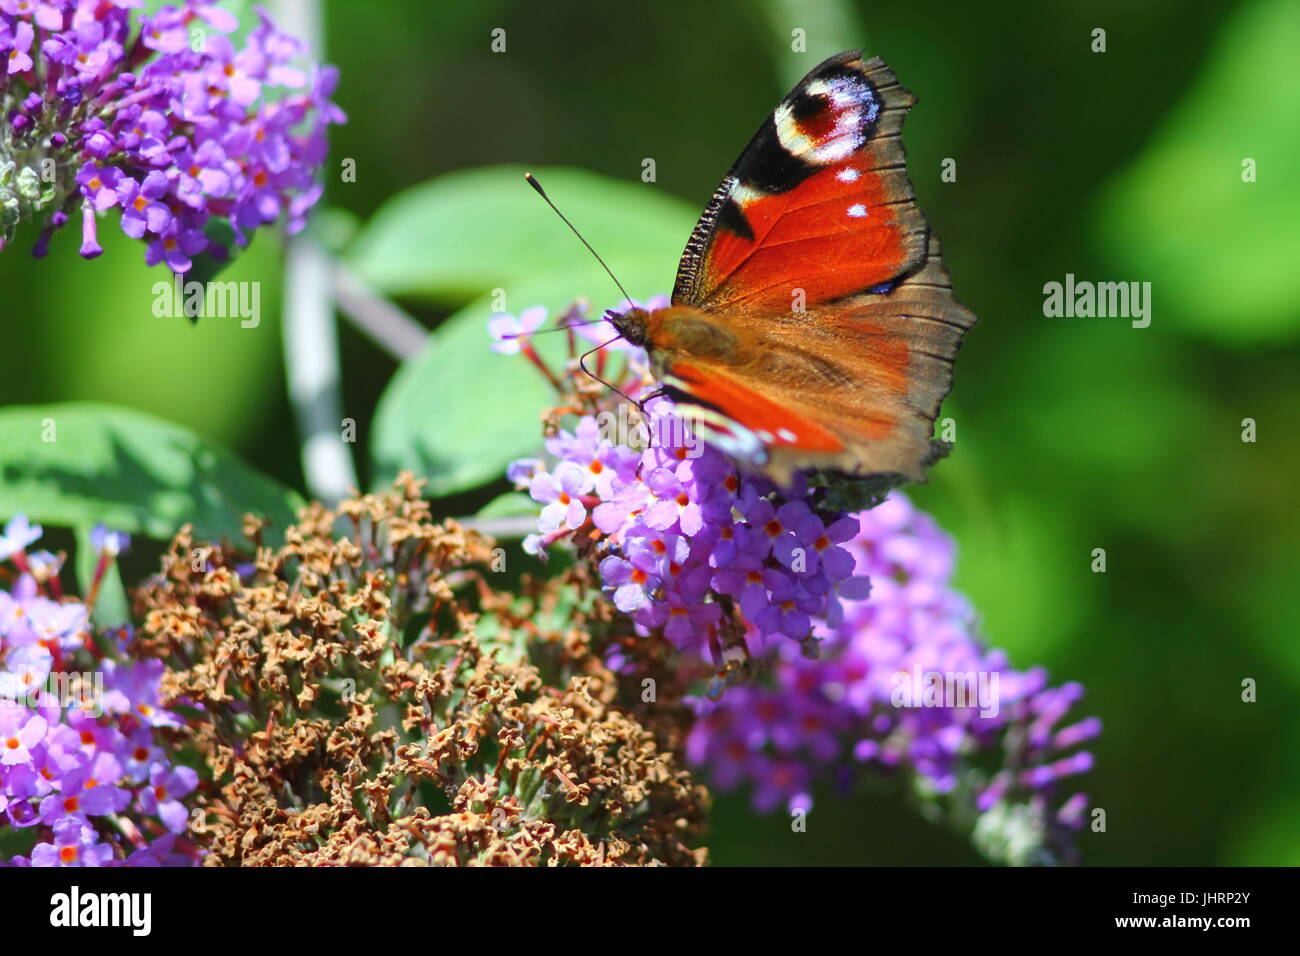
(812, 323)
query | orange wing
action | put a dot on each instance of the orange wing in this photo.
(853, 387)
(819, 201)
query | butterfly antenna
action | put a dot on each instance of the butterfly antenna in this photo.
(532, 181)
(582, 364)
(582, 360)
(639, 405)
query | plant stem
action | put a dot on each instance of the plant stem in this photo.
(311, 360)
(311, 345)
(384, 323)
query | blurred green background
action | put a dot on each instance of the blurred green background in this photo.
(1072, 433)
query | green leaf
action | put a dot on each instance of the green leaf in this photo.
(80, 464)
(509, 505)
(458, 412)
(466, 233)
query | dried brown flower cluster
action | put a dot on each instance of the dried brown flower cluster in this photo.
(364, 695)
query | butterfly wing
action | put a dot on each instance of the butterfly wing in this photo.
(813, 263)
(819, 202)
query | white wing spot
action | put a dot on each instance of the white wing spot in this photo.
(847, 175)
(786, 435)
(744, 195)
(857, 210)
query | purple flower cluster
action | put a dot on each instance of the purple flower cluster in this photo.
(159, 117)
(903, 685)
(684, 535)
(81, 766)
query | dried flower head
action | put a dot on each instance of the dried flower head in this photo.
(365, 695)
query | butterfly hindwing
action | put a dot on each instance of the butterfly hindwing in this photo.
(818, 206)
(854, 386)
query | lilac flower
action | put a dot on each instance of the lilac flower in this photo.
(20, 731)
(83, 779)
(24, 671)
(845, 708)
(19, 49)
(133, 689)
(75, 844)
(87, 790)
(561, 492)
(175, 136)
(678, 531)
(19, 534)
(162, 797)
(105, 541)
(509, 333)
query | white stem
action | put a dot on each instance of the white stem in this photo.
(311, 344)
(311, 360)
(378, 319)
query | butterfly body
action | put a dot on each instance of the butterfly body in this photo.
(812, 322)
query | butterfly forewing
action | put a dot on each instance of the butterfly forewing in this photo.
(818, 206)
